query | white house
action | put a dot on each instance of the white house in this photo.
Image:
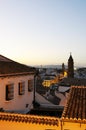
(16, 86)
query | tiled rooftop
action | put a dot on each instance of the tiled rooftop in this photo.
(76, 105)
(8, 66)
(73, 81)
(29, 119)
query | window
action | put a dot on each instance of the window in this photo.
(9, 91)
(30, 85)
(21, 88)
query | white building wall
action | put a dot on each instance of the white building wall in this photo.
(18, 103)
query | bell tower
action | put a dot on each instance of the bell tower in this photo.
(63, 68)
(70, 67)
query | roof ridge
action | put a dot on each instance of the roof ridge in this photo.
(3, 58)
(28, 119)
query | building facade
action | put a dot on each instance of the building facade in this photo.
(16, 86)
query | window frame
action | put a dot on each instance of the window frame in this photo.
(21, 88)
(9, 92)
(30, 85)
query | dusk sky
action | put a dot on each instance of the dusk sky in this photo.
(41, 32)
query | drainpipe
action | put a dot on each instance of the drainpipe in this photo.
(35, 76)
(34, 90)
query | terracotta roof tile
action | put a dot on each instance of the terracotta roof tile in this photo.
(73, 81)
(8, 66)
(76, 105)
(29, 119)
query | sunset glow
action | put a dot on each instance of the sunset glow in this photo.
(43, 32)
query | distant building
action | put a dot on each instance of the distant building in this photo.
(73, 81)
(63, 68)
(70, 67)
(16, 86)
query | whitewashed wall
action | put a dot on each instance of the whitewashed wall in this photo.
(19, 102)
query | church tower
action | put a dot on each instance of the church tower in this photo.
(70, 67)
(63, 68)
